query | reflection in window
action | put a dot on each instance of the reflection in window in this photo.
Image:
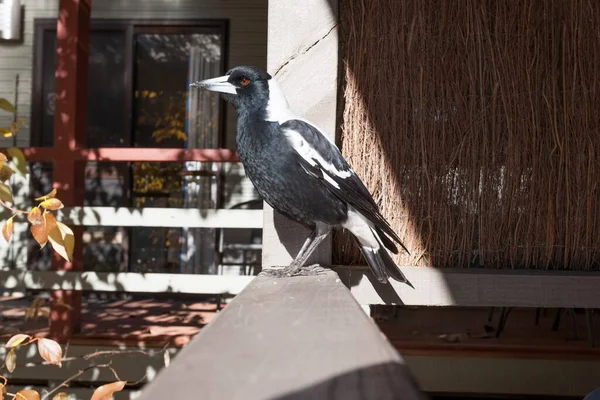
(165, 66)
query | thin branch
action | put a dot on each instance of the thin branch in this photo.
(65, 383)
(16, 211)
(118, 352)
(89, 356)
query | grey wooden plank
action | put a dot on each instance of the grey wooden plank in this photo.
(477, 287)
(294, 338)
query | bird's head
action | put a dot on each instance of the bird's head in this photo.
(243, 86)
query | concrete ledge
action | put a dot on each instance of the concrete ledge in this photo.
(477, 287)
(295, 338)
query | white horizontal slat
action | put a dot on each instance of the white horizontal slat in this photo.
(161, 217)
(123, 282)
(477, 287)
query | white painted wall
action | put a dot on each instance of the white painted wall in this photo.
(303, 49)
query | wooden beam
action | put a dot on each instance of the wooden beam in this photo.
(163, 217)
(130, 282)
(293, 338)
(134, 154)
(477, 288)
(511, 377)
(72, 34)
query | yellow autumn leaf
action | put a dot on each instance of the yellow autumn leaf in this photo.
(6, 132)
(52, 204)
(3, 389)
(40, 234)
(60, 396)
(5, 193)
(50, 221)
(39, 228)
(16, 340)
(50, 351)
(7, 106)
(35, 216)
(62, 240)
(5, 173)
(27, 394)
(7, 229)
(47, 196)
(18, 159)
(11, 360)
(105, 392)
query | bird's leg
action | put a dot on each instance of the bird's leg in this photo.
(297, 267)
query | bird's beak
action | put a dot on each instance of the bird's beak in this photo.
(218, 84)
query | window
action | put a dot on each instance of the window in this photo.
(138, 96)
(138, 75)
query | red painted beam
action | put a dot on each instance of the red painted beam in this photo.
(72, 32)
(131, 154)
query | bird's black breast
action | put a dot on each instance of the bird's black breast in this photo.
(271, 164)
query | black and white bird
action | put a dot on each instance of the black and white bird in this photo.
(301, 173)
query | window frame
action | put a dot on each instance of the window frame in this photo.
(130, 27)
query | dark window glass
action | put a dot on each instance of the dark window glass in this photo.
(167, 114)
(106, 122)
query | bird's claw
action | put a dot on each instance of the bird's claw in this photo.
(307, 270)
(311, 270)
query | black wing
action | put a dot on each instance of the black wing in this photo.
(322, 159)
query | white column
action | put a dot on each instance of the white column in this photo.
(302, 53)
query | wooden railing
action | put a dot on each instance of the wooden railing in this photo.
(292, 338)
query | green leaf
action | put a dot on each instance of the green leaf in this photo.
(18, 159)
(5, 193)
(7, 106)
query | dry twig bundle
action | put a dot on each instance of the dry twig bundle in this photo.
(476, 124)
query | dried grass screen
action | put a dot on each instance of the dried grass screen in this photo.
(476, 126)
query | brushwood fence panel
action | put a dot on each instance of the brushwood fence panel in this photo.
(476, 125)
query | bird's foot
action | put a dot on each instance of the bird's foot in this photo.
(292, 270)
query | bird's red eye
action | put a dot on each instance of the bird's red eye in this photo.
(245, 81)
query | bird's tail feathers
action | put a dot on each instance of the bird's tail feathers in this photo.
(389, 243)
(381, 263)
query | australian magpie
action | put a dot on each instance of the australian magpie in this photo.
(301, 173)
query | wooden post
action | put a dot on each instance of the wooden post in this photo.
(296, 338)
(302, 54)
(72, 32)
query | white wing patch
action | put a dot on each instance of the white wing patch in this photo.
(312, 156)
(360, 227)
